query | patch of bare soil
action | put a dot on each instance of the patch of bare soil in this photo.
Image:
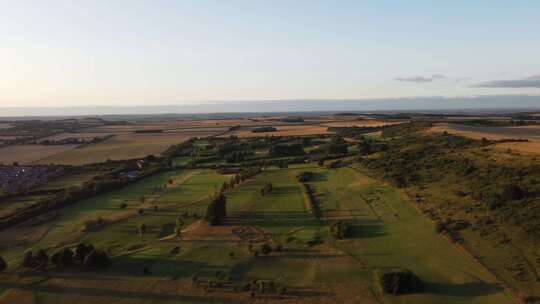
(202, 231)
(12, 296)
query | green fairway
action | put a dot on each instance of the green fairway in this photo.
(389, 233)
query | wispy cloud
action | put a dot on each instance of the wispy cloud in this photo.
(529, 82)
(421, 79)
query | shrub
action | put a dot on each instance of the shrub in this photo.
(400, 282)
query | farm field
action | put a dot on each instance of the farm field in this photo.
(26, 154)
(531, 133)
(286, 198)
(81, 135)
(123, 146)
(289, 130)
(495, 133)
(387, 233)
(361, 123)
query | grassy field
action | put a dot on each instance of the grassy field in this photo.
(388, 233)
(26, 154)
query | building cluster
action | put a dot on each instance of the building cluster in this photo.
(15, 179)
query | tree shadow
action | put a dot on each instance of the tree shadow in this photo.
(284, 190)
(469, 289)
(319, 177)
(117, 294)
(363, 231)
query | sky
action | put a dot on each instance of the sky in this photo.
(130, 53)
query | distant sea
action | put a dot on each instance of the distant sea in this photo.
(420, 104)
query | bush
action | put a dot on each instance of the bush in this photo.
(286, 150)
(305, 176)
(400, 282)
(340, 230)
(263, 129)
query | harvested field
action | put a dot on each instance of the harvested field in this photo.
(493, 133)
(531, 133)
(361, 123)
(294, 130)
(130, 128)
(124, 146)
(9, 137)
(25, 154)
(19, 296)
(83, 135)
(527, 147)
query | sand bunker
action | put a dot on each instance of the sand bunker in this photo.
(202, 231)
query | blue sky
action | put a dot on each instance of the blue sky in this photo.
(73, 53)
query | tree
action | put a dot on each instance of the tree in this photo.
(178, 226)
(63, 258)
(216, 210)
(340, 230)
(42, 259)
(399, 282)
(97, 259)
(266, 249)
(82, 250)
(224, 187)
(142, 230)
(123, 205)
(3, 264)
(28, 260)
(266, 189)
